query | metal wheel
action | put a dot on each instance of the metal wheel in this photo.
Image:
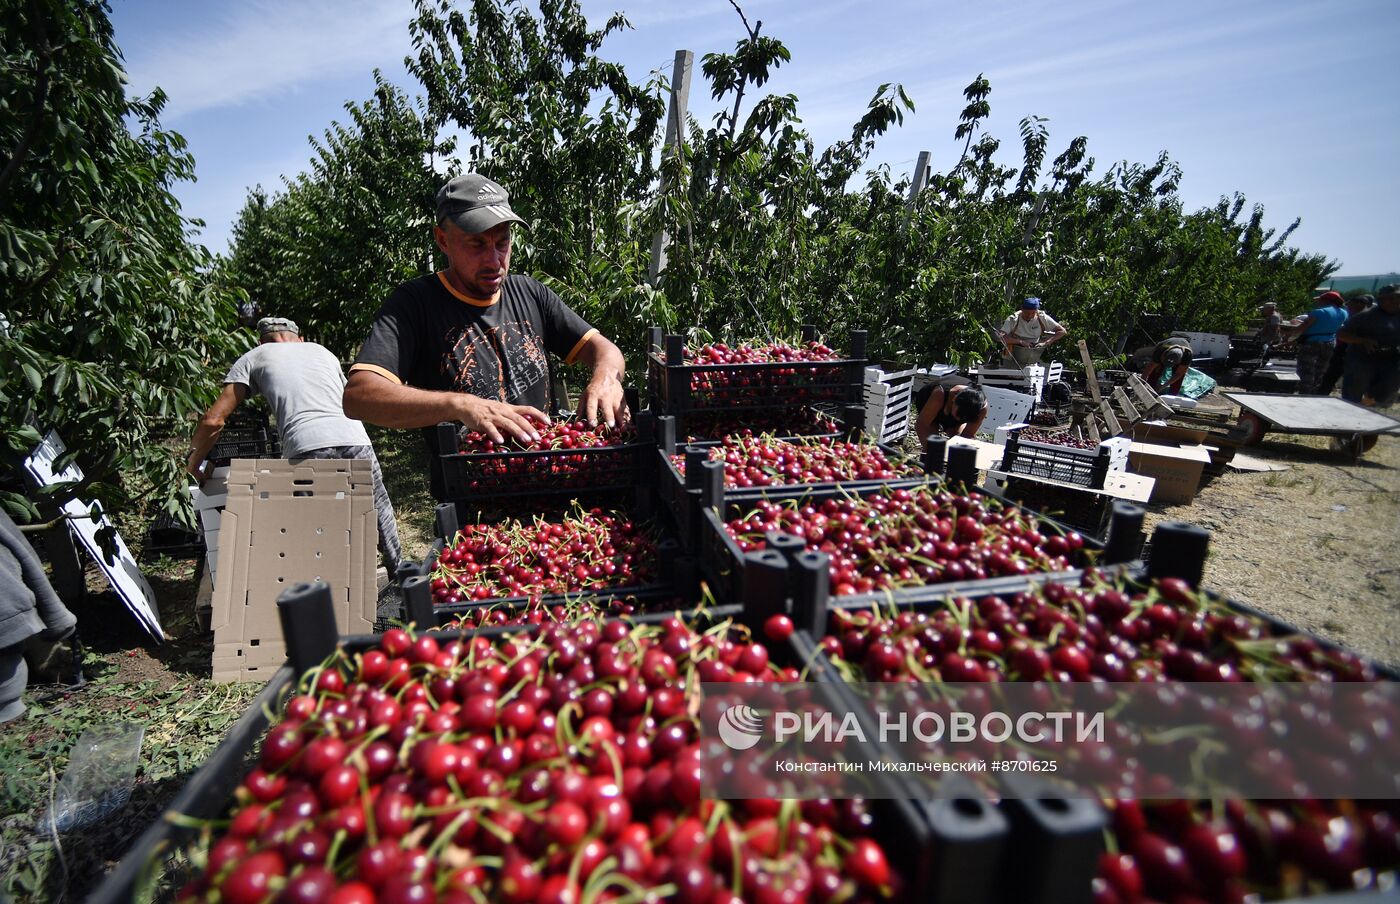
(1361, 443)
(1252, 428)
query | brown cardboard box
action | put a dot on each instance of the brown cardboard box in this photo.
(285, 524)
(1169, 433)
(1176, 469)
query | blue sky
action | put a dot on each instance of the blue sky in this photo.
(1295, 103)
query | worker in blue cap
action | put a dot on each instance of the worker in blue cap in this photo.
(1026, 333)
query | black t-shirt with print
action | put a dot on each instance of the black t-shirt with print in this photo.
(431, 337)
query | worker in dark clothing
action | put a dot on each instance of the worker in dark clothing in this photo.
(1372, 342)
(1171, 359)
(28, 606)
(1336, 365)
(951, 411)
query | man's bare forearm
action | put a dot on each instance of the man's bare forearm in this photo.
(377, 400)
(205, 436)
(604, 357)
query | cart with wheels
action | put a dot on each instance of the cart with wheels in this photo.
(1353, 426)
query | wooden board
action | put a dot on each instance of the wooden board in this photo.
(1313, 414)
(1089, 376)
(1109, 418)
(1126, 406)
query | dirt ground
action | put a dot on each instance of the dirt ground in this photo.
(1317, 545)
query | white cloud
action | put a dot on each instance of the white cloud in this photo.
(259, 49)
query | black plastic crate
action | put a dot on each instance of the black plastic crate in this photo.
(308, 624)
(226, 451)
(682, 495)
(1063, 464)
(1048, 414)
(1055, 838)
(246, 434)
(168, 537)
(708, 428)
(722, 561)
(677, 577)
(677, 580)
(1085, 511)
(677, 388)
(482, 478)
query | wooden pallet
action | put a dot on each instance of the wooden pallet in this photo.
(1116, 412)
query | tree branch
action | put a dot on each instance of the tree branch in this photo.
(41, 97)
(31, 130)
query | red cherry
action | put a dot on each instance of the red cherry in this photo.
(338, 786)
(778, 628)
(866, 864)
(251, 881)
(565, 823)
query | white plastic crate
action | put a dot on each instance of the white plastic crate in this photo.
(1005, 406)
(209, 502)
(887, 403)
(1031, 379)
(1207, 345)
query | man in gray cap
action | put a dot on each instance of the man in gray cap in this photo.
(470, 343)
(303, 383)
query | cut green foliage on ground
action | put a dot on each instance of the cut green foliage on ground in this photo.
(184, 723)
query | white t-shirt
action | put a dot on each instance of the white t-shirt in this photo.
(304, 384)
(1030, 330)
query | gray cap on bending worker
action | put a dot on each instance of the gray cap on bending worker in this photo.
(269, 325)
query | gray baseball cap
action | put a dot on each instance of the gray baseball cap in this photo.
(269, 325)
(475, 204)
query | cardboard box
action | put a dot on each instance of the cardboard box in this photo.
(988, 454)
(283, 525)
(1169, 433)
(1176, 469)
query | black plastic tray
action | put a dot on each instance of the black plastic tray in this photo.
(722, 561)
(226, 451)
(677, 576)
(682, 495)
(1085, 511)
(246, 434)
(1066, 466)
(691, 432)
(481, 478)
(906, 837)
(672, 389)
(1056, 846)
(168, 537)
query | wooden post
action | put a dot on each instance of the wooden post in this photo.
(920, 178)
(675, 132)
(1089, 376)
